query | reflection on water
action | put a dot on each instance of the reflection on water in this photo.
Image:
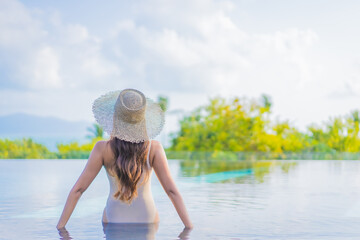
(225, 199)
(135, 231)
(225, 171)
(128, 231)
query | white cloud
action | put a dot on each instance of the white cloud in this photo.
(219, 57)
(45, 69)
(75, 34)
(18, 28)
(53, 54)
(212, 55)
(185, 49)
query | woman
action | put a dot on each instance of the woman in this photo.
(131, 120)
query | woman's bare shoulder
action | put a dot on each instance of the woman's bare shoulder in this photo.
(156, 150)
(100, 145)
(156, 146)
(104, 147)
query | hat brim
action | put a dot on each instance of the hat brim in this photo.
(148, 128)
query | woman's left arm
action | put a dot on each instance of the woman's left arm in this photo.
(92, 168)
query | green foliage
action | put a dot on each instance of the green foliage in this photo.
(22, 149)
(163, 101)
(339, 134)
(75, 151)
(237, 125)
(234, 129)
(96, 131)
(26, 148)
(259, 168)
(230, 129)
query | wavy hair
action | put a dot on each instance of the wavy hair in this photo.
(129, 165)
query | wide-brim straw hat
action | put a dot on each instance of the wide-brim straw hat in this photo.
(129, 115)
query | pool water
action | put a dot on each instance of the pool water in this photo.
(285, 199)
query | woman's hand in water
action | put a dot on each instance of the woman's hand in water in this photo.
(185, 234)
(64, 234)
(92, 168)
(162, 170)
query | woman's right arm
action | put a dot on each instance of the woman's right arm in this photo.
(162, 171)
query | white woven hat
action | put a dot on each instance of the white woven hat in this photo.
(129, 115)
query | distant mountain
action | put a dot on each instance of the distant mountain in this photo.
(26, 124)
(52, 130)
(46, 130)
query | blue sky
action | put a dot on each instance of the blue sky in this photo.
(56, 57)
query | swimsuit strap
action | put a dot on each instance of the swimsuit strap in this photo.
(147, 159)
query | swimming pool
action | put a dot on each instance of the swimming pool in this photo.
(226, 200)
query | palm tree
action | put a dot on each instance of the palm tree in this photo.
(95, 131)
(355, 116)
(163, 102)
(266, 101)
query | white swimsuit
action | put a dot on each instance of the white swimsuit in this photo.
(141, 210)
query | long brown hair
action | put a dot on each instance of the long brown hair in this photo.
(129, 165)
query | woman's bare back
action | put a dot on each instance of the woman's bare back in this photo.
(141, 210)
(101, 155)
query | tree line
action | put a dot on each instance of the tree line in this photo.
(236, 128)
(240, 128)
